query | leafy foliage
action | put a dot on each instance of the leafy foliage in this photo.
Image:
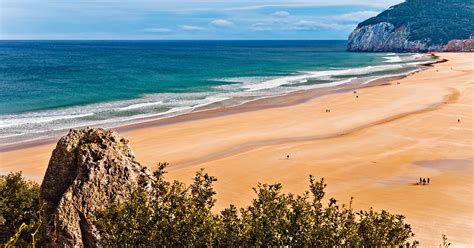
(171, 214)
(19, 210)
(435, 21)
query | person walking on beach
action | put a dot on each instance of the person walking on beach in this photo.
(287, 156)
(421, 180)
(424, 181)
(428, 180)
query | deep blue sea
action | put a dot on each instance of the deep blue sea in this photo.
(48, 86)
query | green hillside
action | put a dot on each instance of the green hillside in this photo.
(434, 21)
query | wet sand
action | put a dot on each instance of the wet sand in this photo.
(374, 147)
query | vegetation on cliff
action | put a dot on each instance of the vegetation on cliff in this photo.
(434, 22)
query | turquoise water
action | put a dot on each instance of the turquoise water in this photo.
(47, 86)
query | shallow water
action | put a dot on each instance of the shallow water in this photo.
(46, 86)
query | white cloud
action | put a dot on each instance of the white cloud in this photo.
(157, 30)
(281, 14)
(317, 25)
(200, 5)
(260, 26)
(358, 16)
(162, 18)
(221, 23)
(191, 28)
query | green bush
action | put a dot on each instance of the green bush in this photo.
(170, 214)
(19, 209)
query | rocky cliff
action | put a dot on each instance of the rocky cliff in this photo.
(88, 170)
(418, 26)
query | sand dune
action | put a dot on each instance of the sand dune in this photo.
(374, 147)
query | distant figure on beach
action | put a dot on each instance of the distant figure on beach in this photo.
(428, 180)
(459, 120)
(424, 181)
(357, 96)
(421, 180)
(287, 156)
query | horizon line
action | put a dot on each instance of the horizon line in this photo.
(171, 40)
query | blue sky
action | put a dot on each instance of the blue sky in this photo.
(184, 19)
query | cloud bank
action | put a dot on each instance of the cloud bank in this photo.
(184, 19)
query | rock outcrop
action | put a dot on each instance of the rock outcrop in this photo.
(385, 37)
(418, 26)
(89, 169)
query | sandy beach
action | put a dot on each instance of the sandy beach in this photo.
(374, 145)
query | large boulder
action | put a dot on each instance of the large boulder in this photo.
(88, 170)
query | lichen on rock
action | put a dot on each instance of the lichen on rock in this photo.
(88, 169)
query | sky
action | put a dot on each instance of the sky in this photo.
(184, 19)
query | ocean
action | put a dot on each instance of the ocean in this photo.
(50, 86)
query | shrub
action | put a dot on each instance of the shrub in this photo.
(170, 214)
(19, 209)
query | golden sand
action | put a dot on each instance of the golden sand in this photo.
(374, 148)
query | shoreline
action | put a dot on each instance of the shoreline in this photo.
(373, 146)
(277, 101)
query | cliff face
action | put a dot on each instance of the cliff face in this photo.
(385, 37)
(88, 170)
(418, 26)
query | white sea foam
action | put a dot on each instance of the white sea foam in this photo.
(422, 62)
(166, 113)
(210, 100)
(184, 105)
(332, 84)
(247, 80)
(360, 70)
(418, 56)
(272, 83)
(393, 59)
(390, 75)
(140, 105)
(254, 84)
(10, 122)
(12, 135)
(163, 105)
(277, 82)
